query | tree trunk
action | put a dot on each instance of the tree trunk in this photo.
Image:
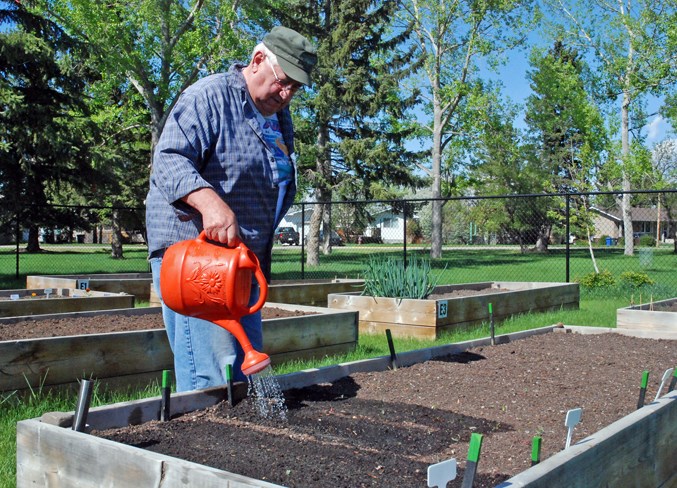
(326, 225)
(33, 244)
(313, 244)
(625, 155)
(116, 237)
(542, 243)
(322, 194)
(436, 234)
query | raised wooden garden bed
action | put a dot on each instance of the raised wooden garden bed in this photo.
(430, 317)
(637, 450)
(307, 292)
(136, 284)
(42, 301)
(656, 316)
(130, 357)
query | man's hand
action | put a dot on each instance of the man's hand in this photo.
(218, 220)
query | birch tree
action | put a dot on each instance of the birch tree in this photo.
(629, 46)
(451, 38)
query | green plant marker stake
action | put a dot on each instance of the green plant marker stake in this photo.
(473, 460)
(491, 324)
(229, 384)
(673, 381)
(642, 389)
(536, 450)
(391, 346)
(165, 414)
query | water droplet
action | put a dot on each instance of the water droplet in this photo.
(267, 396)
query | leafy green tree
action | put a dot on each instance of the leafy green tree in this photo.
(121, 159)
(349, 127)
(45, 131)
(664, 163)
(159, 46)
(450, 39)
(630, 44)
(504, 165)
(567, 132)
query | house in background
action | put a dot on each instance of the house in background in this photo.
(645, 221)
(387, 227)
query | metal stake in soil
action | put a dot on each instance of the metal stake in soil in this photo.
(82, 409)
(536, 450)
(673, 381)
(393, 356)
(473, 460)
(165, 413)
(642, 389)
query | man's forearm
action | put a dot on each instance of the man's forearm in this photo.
(218, 220)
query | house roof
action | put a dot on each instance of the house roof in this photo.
(639, 214)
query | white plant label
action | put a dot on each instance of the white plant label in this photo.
(664, 380)
(441, 473)
(573, 417)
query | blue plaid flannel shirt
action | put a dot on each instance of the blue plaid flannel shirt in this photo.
(212, 139)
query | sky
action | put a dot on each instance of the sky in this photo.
(516, 86)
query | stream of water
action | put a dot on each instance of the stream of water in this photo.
(267, 394)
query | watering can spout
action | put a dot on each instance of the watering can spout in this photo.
(254, 361)
(214, 284)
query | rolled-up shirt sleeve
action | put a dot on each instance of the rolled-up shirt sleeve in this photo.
(181, 153)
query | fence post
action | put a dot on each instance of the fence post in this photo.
(303, 240)
(404, 234)
(567, 255)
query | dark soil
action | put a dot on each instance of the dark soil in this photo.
(384, 429)
(466, 293)
(666, 307)
(103, 324)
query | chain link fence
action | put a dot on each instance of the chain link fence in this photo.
(558, 237)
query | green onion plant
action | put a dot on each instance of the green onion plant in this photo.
(387, 276)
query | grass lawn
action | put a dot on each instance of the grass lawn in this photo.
(69, 260)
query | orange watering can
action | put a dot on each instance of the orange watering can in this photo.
(210, 281)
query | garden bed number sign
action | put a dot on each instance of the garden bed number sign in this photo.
(442, 309)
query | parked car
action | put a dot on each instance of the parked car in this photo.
(287, 235)
(336, 240)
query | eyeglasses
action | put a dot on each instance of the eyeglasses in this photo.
(286, 85)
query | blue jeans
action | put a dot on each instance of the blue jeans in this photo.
(203, 349)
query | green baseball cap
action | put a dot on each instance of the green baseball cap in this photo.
(294, 53)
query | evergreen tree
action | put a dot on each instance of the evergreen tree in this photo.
(349, 128)
(45, 133)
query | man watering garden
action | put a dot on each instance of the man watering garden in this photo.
(223, 165)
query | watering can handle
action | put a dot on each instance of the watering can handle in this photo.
(203, 237)
(263, 289)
